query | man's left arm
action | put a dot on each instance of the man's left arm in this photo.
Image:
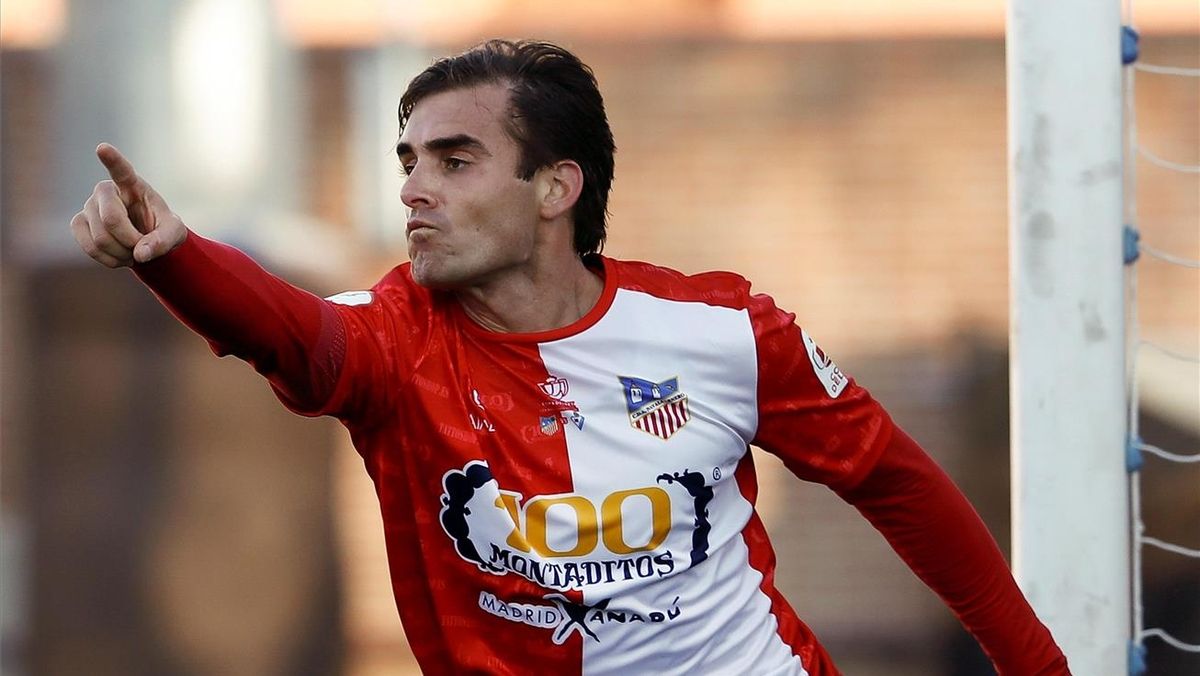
(933, 528)
(829, 430)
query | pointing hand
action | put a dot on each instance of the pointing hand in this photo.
(125, 220)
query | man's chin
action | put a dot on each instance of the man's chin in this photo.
(428, 281)
(431, 277)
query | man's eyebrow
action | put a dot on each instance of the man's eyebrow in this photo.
(455, 142)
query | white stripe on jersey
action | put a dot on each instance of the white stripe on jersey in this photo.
(723, 622)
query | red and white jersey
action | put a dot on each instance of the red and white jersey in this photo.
(582, 500)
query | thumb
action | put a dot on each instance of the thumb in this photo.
(152, 245)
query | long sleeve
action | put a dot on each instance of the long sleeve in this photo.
(294, 338)
(930, 524)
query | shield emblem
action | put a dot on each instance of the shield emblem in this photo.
(549, 424)
(657, 408)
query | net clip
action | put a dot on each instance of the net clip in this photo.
(1133, 454)
(1129, 45)
(1129, 244)
(1137, 659)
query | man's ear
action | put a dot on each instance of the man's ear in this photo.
(561, 183)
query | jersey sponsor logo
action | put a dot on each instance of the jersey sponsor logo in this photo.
(460, 487)
(566, 617)
(533, 614)
(702, 494)
(565, 541)
(352, 298)
(659, 409)
(831, 377)
(574, 575)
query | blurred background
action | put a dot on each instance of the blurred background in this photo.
(162, 514)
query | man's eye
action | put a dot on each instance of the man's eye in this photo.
(407, 168)
(453, 163)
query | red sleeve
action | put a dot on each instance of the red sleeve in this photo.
(930, 524)
(824, 427)
(294, 338)
(829, 430)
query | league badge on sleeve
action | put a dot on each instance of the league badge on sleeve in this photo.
(352, 298)
(655, 408)
(831, 377)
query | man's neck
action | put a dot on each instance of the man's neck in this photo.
(536, 298)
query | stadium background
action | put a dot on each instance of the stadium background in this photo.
(163, 515)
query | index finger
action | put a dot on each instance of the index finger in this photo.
(119, 168)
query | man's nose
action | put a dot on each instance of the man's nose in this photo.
(416, 191)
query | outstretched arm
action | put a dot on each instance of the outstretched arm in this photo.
(829, 430)
(294, 338)
(930, 524)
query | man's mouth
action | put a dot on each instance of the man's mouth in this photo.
(418, 225)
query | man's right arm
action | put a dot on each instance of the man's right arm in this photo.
(292, 337)
(287, 334)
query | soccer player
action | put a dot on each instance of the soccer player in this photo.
(560, 440)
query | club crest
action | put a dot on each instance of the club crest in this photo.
(655, 408)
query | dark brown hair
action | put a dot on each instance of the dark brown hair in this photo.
(555, 113)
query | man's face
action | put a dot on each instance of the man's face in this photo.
(470, 218)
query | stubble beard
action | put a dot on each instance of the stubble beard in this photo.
(427, 272)
(436, 270)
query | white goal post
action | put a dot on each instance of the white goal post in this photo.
(1067, 331)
